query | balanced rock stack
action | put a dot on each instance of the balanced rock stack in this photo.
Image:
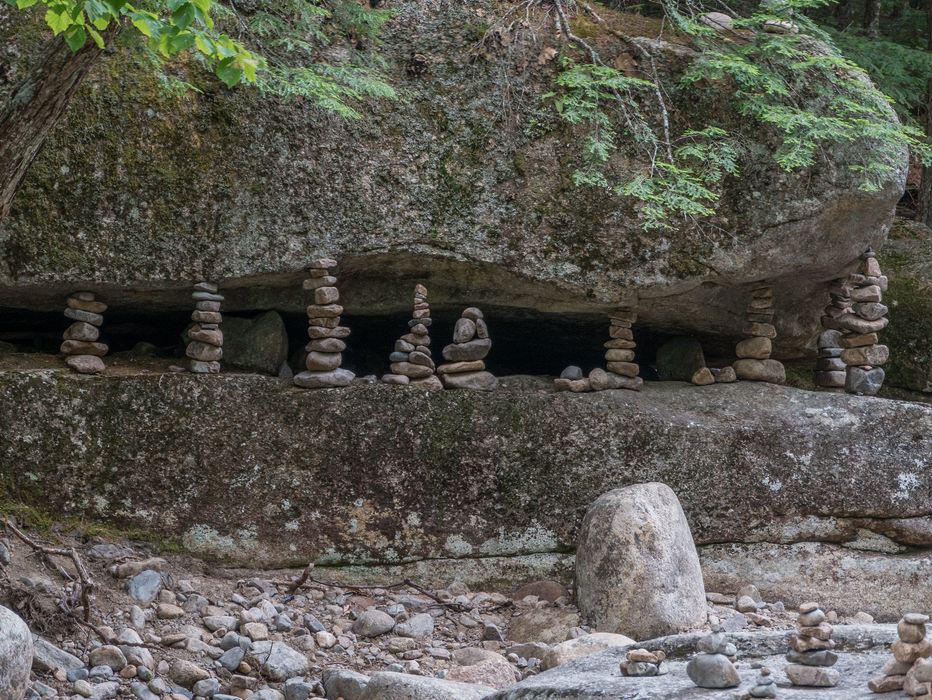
(712, 667)
(861, 353)
(909, 669)
(764, 686)
(640, 662)
(205, 339)
(80, 347)
(326, 346)
(621, 371)
(830, 368)
(411, 360)
(754, 362)
(811, 654)
(465, 368)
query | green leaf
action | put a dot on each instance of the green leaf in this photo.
(204, 44)
(75, 37)
(229, 73)
(23, 4)
(183, 16)
(98, 39)
(58, 22)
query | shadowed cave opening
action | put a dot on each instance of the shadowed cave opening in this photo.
(525, 341)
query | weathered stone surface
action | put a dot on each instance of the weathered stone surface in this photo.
(48, 657)
(343, 683)
(481, 381)
(637, 571)
(85, 364)
(583, 646)
(770, 371)
(547, 625)
(712, 671)
(323, 380)
(16, 650)
(259, 343)
(402, 686)
(802, 227)
(867, 465)
(277, 660)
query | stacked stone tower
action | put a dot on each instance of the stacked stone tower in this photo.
(326, 346)
(811, 655)
(861, 353)
(621, 371)
(909, 668)
(411, 361)
(80, 341)
(205, 346)
(465, 365)
(754, 362)
(830, 368)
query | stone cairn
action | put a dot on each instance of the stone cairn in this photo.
(621, 371)
(465, 366)
(712, 667)
(764, 686)
(861, 353)
(411, 361)
(325, 349)
(909, 669)
(811, 654)
(754, 362)
(80, 347)
(830, 368)
(640, 662)
(205, 339)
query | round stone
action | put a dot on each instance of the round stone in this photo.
(464, 331)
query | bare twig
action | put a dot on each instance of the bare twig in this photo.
(298, 582)
(86, 583)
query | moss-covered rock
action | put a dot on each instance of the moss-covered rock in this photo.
(464, 181)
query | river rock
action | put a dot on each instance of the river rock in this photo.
(373, 623)
(402, 686)
(637, 570)
(85, 364)
(144, 586)
(277, 660)
(712, 671)
(343, 683)
(48, 657)
(583, 646)
(770, 371)
(16, 653)
(812, 676)
(322, 380)
(480, 381)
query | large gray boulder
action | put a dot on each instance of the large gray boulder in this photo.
(48, 657)
(277, 660)
(15, 655)
(637, 570)
(403, 686)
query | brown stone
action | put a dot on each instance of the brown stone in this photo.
(761, 330)
(82, 331)
(758, 348)
(850, 322)
(326, 345)
(206, 317)
(613, 355)
(322, 361)
(207, 305)
(886, 684)
(92, 307)
(867, 355)
(85, 364)
(909, 653)
(480, 381)
(770, 371)
(857, 341)
(869, 267)
(600, 380)
(799, 643)
(620, 344)
(822, 631)
(315, 332)
(459, 367)
(431, 383)
(411, 370)
(577, 386)
(324, 310)
(625, 369)
(703, 377)
(619, 332)
(317, 282)
(209, 337)
(326, 295)
(726, 375)
(866, 294)
(80, 347)
(322, 264)
(203, 352)
(322, 322)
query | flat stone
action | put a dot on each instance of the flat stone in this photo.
(210, 337)
(915, 618)
(324, 311)
(600, 380)
(80, 347)
(576, 386)
(461, 367)
(813, 658)
(331, 345)
(886, 684)
(854, 324)
(831, 364)
(207, 296)
(85, 316)
(315, 332)
(761, 330)
(619, 343)
(472, 313)
(613, 355)
(770, 371)
(758, 348)
(835, 379)
(829, 339)
(870, 293)
(870, 311)
(583, 646)
(811, 676)
(387, 685)
(411, 370)
(85, 364)
(467, 352)
(322, 264)
(93, 307)
(397, 379)
(420, 358)
(323, 380)
(317, 282)
(206, 317)
(866, 355)
(625, 369)
(479, 381)
(617, 332)
(203, 352)
(198, 367)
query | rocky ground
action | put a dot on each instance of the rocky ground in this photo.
(177, 627)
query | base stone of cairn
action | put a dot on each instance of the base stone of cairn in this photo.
(326, 346)
(465, 366)
(80, 344)
(811, 654)
(754, 362)
(411, 360)
(909, 669)
(712, 667)
(639, 663)
(205, 339)
(861, 353)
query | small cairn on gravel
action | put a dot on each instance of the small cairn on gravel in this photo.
(830, 368)
(640, 662)
(764, 687)
(205, 339)
(754, 362)
(325, 349)
(465, 368)
(811, 654)
(80, 347)
(712, 667)
(861, 353)
(908, 669)
(411, 361)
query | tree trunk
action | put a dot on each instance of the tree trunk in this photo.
(843, 14)
(36, 105)
(925, 186)
(872, 18)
